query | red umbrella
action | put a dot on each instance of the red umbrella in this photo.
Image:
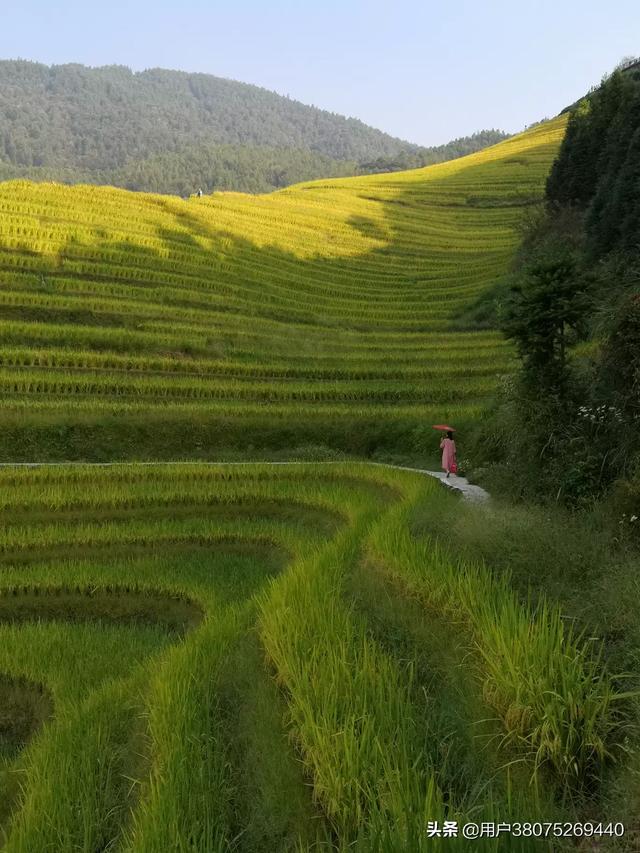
(444, 428)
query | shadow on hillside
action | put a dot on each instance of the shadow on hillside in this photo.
(307, 305)
(399, 215)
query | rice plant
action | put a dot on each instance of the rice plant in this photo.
(341, 292)
(183, 666)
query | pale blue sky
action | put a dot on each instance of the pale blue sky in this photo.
(425, 71)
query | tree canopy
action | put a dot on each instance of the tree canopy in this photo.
(173, 132)
(598, 168)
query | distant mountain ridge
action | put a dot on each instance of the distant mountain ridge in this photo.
(172, 131)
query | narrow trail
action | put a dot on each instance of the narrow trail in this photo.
(469, 491)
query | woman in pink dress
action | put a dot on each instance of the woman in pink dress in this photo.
(448, 448)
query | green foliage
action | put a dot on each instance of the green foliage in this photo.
(598, 167)
(172, 132)
(428, 156)
(585, 562)
(544, 314)
(569, 424)
(246, 168)
(484, 312)
(567, 739)
(155, 111)
(623, 508)
(619, 369)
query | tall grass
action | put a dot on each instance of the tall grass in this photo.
(548, 685)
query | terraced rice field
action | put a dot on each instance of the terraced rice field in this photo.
(139, 326)
(266, 658)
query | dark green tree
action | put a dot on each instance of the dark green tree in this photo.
(545, 313)
(568, 427)
(616, 194)
(589, 143)
(571, 180)
(619, 371)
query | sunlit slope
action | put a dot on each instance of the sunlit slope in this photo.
(321, 313)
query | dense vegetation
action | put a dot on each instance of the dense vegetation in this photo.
(320, 314)
(588, 563)
(206, 167)
(573, 416)
(172, 132)
(252, 658)
(144, 612)
(438, 154)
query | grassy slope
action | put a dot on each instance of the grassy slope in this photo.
(180, 739)
(326, 307)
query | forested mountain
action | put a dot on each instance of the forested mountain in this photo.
(171, 131)
(246, 168)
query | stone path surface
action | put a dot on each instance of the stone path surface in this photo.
(470, 492)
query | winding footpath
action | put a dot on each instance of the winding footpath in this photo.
(470, 492)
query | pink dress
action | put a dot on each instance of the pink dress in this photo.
(448, 447)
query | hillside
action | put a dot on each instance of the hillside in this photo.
(320, 314)
(172, 132)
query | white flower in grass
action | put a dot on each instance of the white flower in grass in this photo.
(633, 518)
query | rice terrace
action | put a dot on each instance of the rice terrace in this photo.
(278, 320)
(226, 624)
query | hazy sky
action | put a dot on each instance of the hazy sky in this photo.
(425, 71)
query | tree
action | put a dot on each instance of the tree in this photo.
(572, 176)
(620, 364)
(568, 427)
(589, 143)
(545, 313)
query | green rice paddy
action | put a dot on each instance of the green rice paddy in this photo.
(321, 314)
(265, 658)
(199, 656)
